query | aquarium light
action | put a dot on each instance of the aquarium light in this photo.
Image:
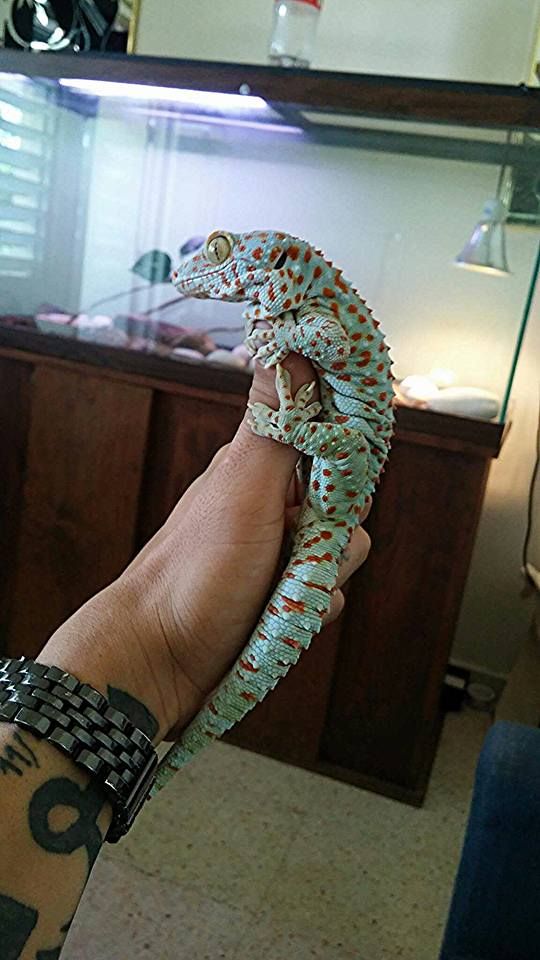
(206, 121)
(141, 91)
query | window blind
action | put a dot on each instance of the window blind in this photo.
(27, 118)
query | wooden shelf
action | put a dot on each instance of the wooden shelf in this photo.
(401, 98)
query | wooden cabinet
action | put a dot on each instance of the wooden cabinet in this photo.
(97, 445)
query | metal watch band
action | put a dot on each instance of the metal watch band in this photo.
(56, 707)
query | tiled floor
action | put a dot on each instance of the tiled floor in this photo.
(243, 857)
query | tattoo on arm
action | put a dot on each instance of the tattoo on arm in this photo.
(17, 755)
(87, 801)
(139, 715)
(17, 921)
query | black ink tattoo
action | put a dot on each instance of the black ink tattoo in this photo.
(88, 802)
(14, 759)
(139, 715)
(16, 924)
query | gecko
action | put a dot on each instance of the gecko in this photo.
(298, 302)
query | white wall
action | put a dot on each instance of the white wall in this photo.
(477, 40)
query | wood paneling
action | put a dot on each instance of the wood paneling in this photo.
(401, 614)
(97, 455)
(15, 385)
(85, 453)
(185, 433)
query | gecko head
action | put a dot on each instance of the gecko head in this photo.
(262, 266)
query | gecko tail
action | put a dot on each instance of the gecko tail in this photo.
(291, 619)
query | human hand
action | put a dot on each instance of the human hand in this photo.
(176, 619)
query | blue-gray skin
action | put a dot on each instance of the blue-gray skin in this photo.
(310, 309)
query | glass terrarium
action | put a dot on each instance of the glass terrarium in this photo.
(426, 193)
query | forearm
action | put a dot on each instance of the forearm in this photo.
(53, 816)
(53, 820)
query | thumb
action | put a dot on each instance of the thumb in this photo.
(270, 456)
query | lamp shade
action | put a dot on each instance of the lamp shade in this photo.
(486, 249)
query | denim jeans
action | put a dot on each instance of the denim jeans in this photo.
(495, 909)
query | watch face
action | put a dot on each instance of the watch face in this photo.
(77, 25)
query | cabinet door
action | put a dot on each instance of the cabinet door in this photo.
(186, 430)
(84, 460)
(399, 622)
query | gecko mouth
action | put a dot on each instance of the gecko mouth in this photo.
(188, 282)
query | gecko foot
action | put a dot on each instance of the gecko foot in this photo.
(293, 413)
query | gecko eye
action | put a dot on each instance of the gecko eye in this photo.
(218, 247)
(281, 261)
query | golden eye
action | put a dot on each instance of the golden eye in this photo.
(218, 247)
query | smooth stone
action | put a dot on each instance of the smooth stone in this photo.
(226, 357)
(243, 354)
(418, 387)
(185, 353)
(465, 402)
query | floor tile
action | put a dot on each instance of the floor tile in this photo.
(242, 857)
(125, 915)
(222, 826)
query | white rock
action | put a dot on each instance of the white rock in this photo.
(465, 402)
(185, 352)
(417, 387)
(242, 353)
(226, 357)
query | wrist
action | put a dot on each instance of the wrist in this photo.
(99, 646)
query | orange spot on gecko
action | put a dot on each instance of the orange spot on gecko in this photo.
(257, 254)
(212, 709)
(357, 336)
(284, 288)
(341, 418)
(370, 381)
(328, 292)
(287, 304)
(317, 272)
(292, 643)
(307, 256)
(327, 473)
(339, 365)
(293, 606)
(326, 534)
(294, 252)
(331, 510)
(248, 666)
(366, 357)
(250, 697)
(316, 485)
(352, 308)
(330, 487)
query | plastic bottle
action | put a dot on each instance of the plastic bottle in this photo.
(295, 28)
